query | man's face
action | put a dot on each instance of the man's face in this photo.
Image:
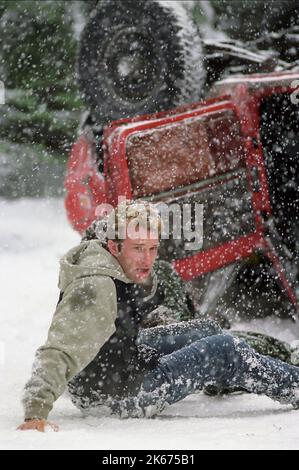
(136, 256)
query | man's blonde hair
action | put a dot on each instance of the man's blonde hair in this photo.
(128, 216)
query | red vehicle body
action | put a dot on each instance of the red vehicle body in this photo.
(215, 152)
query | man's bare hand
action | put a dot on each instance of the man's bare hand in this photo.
(38, 424)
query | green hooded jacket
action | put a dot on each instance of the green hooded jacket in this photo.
(82, 323)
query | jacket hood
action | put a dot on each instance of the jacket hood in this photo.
(89, 259)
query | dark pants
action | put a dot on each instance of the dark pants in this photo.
(219, 360)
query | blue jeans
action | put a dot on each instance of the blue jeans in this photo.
(170, 338)
(218, 359)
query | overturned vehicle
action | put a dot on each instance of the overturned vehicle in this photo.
(183, 120)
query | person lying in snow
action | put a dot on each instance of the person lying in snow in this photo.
(95, 349)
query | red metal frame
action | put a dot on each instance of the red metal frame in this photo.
(85, 186)
(115, 166)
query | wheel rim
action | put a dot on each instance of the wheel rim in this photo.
(133, 65)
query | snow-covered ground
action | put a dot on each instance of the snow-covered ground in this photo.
(33, 236)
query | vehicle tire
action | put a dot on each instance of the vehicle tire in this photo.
(139, 57)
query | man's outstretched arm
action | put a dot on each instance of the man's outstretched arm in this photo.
(82, 323)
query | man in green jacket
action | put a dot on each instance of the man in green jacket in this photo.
(107, 294)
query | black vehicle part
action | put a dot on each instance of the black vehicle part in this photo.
(285, 42)
(139, 57)
(279, 133)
